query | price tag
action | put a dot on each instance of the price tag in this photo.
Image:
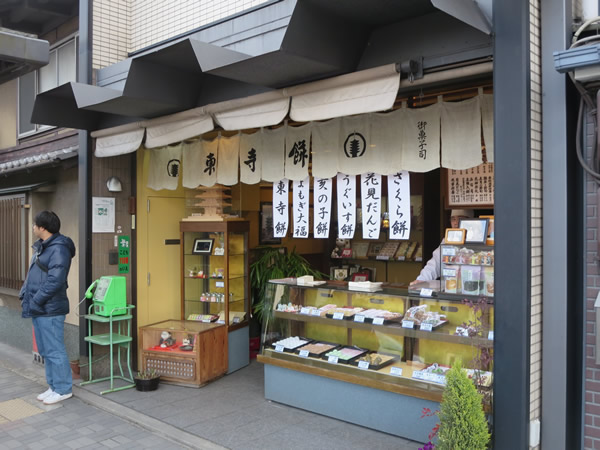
(338, 315)
(401, 258)
(396, 371)
(449, 272)
(419, 258)
(236, 320)
(332, 359)
(448, 251)
(378, 321)
(418, 375)
(220, 321)
(304, 310)
(426, 327)
(383, 258)
(363, 365)
(220, 284)
(304, 353)
(426, 292)
(408, 324)
(491, 335)
(315, 312)
(279, 348)
(441, 379)
(359, 318)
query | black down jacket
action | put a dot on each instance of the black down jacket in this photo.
(44, 292)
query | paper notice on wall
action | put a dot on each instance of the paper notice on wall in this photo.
(322, 192)
(399, 205)
(301, 210)
(103, 215)
(370, 194)
(346, 205)
(280, 208)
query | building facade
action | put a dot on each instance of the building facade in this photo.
(143, 62)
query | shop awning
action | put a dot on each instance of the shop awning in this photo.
(120, 141)
(345, 95)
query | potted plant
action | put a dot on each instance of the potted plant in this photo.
(273, 263)
(147, 380)
(462, 422)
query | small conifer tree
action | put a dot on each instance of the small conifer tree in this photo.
(463, 425)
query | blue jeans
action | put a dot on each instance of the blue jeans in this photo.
(49, 336)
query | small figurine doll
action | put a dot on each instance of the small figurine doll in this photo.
(166, 340)
(187, 343)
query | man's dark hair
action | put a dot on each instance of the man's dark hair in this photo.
(48, 220)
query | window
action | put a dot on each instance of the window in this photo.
(13, 245)
(61, 68)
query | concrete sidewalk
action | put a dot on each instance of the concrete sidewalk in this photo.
(228, 413)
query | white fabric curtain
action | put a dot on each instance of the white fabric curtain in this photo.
(355, 93)
(421, 139)
(487, 121)
(191, 163)
(164, 167)
(176, 130)
(461, 134)
(251, 146)
(325, 148)
(203, 170)
(273, 154)
(386, 142)
(257, 115)
(229, 160)
(119, 143)
(297, 152)
(354, 154)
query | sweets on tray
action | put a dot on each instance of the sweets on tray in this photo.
(317, 348)
(347, 312)
(375, 359)
(291, 342)
(288, 307)
(421, 314)
(203, 317)
(387, 315)
(345, 353)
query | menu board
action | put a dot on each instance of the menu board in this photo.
(471, 187)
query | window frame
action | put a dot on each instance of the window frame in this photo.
(39, 128)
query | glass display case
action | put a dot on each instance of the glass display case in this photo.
(184, 352)
(215, 283)
(387, 339)
(467, 269)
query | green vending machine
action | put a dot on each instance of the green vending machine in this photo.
(109, 295)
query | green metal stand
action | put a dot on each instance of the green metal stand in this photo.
(121, 338)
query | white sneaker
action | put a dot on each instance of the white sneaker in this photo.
(55, 397)
(44, 395)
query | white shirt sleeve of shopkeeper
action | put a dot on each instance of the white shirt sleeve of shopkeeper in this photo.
(431, 271)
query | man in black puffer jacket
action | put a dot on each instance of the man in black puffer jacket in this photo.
(44, 299)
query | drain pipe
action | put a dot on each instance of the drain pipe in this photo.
(84, 177)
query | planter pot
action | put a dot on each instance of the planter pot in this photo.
(75, 369)
(146, 385)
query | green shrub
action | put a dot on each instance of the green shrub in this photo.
(462, 422)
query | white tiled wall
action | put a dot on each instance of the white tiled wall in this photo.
(124, 26)
(536, 213)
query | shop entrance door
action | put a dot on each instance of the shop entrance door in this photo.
(164, 272)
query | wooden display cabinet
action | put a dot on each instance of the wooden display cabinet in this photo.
(195, 364)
